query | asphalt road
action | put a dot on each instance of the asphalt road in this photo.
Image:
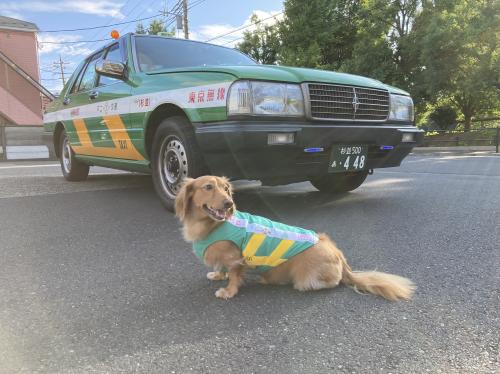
(95, 277)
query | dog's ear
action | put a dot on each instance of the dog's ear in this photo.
(183, 198)
(229, 187)
(228, 184)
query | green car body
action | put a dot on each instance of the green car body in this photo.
(113, 122)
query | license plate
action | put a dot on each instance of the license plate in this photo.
(348, 158)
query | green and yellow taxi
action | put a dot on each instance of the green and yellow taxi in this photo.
(177, 108)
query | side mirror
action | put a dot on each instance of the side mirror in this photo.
(108, 68)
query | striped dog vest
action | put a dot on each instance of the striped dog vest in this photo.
(264, 243)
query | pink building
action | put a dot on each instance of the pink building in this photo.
(20, 90)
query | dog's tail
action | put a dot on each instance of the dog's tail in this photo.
(392, 287)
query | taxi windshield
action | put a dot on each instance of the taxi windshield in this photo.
(157, 53)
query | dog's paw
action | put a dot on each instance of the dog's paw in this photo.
(216, 275)
(224, 293)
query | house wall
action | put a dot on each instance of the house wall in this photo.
(21, 102)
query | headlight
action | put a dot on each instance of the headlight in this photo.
(263, 98)
(401, 108)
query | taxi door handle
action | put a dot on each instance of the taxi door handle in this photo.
(93, 95)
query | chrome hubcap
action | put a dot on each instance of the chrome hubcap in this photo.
(66, 155)
(173, 165)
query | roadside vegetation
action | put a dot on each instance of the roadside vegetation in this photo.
(444, 52)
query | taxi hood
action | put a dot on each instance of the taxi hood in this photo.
(289, 74)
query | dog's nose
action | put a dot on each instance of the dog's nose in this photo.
(228, 204)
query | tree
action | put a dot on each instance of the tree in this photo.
(263, 44)
(444, 117)
(318, 33)
(384, 41)
(444, 52)
(139, 29)
(459, 58)
(155, 27)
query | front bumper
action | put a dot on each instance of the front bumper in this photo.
(239, 149)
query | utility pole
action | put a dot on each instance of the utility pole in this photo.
(185, 18)
(62, 70)
(60, 66)
(164, 12)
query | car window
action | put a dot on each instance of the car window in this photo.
(154, 53)
(87, 81)
(113, 54)
(76, 82)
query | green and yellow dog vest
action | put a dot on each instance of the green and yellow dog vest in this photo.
(263, 243)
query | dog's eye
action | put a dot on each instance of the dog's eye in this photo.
(208, 187)
(226, 188)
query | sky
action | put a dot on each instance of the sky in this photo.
(207, 19)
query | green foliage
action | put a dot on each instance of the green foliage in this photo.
(155, 27)
(459, 56)
(444, 117)
(139, 29)
(444, 52)
(263, 44)
(318, 33)
(384, 41)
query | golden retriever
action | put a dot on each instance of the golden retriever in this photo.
(206, 202)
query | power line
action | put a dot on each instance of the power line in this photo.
(232, 41)
(196, 3)
(175, 9)
(126, 16)
(76, 42)
(206, 41)
(101, 27)
(145, 9)
(243, 27)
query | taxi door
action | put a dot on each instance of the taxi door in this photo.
(79, 102)
(112, 96)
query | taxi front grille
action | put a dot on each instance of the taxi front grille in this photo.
(347, 103)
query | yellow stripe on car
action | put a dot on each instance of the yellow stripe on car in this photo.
(120, 137)
(124, 148)
(83, 135)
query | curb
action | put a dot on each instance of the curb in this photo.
(457, 149)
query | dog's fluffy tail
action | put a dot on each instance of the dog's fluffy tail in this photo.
(392, 287)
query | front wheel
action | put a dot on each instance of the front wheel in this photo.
(175, 155)
(72, 169)
(339, 183)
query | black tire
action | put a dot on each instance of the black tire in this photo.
(175, 155)
(339, 183)
(73, 170)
